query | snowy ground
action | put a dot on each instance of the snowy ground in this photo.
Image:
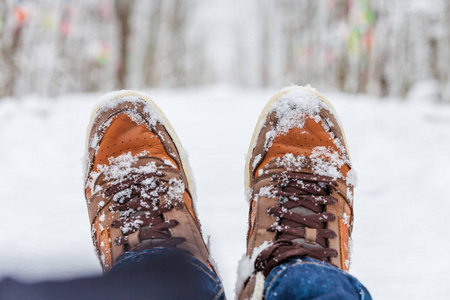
(401, 152)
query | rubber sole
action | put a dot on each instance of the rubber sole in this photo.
(263, 117)
(127, 93)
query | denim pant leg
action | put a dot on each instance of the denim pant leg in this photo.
(307, 278)
(157, 273)
(178, 275)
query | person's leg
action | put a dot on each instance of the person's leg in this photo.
(307, 278)
(299, 182)
(157, 273)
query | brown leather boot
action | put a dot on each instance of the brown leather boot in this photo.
(137, 182)
(299, 183)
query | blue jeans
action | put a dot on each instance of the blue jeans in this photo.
(167, 274)
(307, 278)
(200, 282)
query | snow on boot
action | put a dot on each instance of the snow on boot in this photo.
(299, 183)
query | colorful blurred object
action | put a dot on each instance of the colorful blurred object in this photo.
(65, 27)
(104, 53)
(105, 10)
(360, 38)
(353, 41)
(20, 15)
(48, 21)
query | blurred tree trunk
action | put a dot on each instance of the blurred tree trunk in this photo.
(288, 32)
(342, 60)
(265, 46)
(445, 83)
(151, 76)
(123, 10)
(177, 24)
(10, 41)
(9, 54)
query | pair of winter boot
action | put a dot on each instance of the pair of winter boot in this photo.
(298, 178)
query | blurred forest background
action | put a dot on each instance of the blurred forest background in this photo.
(398, 48)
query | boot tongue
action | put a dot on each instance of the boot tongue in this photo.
(304, 212)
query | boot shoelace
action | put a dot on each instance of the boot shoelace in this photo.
(140, 210)
(297, 190)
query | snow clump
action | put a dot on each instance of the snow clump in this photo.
(292, 110)
(246, 266)
(120, 168)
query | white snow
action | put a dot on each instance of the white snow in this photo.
(266, 191)
(324, 161)
(256, 161)
(119, 169)
(352, 177)
(117, 97)
(292, 110)
(400, 150)
(246, 266)
(169, 162)
(291, 162)
(175, 191)
(292, 105)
